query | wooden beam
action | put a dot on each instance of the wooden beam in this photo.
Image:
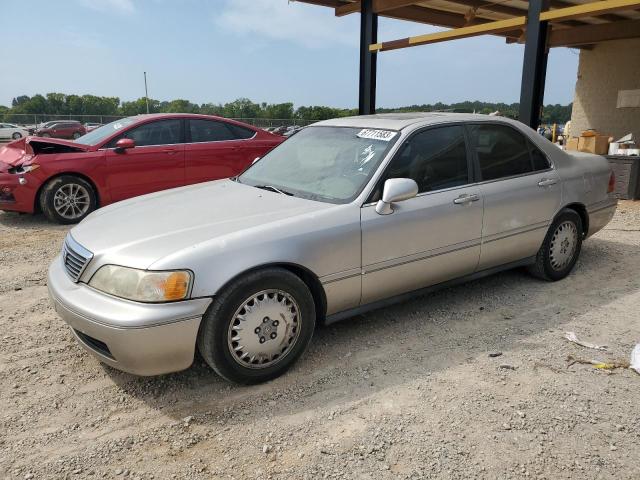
(503, 9)
(580, 36)
(379, 6)
(453, 34)
(347, 8)
(500, 26)
(592, 9)
(609, 17)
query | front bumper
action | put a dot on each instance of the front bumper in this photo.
(139, 338)
(22, 197)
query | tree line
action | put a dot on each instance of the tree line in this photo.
(65, 105)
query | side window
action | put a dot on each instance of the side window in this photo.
(241, 133)
(538, 158)
(501, 150)
(209, 131)
(435, 159)
(162, 132)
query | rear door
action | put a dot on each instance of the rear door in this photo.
(64, 130)
(155, 163)
(521, 192)
(217, 149)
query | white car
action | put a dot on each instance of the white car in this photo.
(12, 132)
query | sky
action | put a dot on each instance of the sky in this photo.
(267, 50)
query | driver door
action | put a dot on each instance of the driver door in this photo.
(433, 237)
(155, 163)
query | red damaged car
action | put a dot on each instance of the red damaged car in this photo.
(66, 180)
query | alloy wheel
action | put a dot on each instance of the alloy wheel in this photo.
(71, 201)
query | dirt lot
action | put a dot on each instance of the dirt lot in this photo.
(405, 392)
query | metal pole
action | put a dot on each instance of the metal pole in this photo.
(368, 59)
(146, 93)
(534, 68)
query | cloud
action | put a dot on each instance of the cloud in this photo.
(301, 24)
(117, 6)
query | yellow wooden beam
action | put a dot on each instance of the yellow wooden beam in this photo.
(455, 33)
(585, 10)
(588, 10)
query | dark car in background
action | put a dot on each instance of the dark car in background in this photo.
(61, 129)
(132, 156)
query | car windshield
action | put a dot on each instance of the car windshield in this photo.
(330, 164)
(96, 136)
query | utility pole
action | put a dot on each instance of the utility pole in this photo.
(146, 93)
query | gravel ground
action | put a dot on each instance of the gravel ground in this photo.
(409, 391)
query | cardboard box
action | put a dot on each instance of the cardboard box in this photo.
(572, 143)
(598, 144)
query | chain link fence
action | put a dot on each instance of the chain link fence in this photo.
(32, 120)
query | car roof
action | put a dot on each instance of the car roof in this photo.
(399, 121)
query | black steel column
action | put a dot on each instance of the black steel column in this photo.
(368, 59)
(534, 68)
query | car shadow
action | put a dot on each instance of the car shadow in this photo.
(403, 343)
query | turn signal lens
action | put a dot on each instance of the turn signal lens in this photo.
(176, 286)
(612, 183)
(142, 285)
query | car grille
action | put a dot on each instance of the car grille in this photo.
(75, 258)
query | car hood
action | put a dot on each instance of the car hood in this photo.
(23, 151)
(143, 230)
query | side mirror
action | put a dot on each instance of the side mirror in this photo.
(124, 144)
(255, 160)
(396, 190)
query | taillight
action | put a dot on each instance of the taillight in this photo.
(612, 183)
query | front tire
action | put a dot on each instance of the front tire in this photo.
(258, 326)
(67, 199)
(16, 136)
(561, 247)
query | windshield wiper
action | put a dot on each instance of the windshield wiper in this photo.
(274, 189)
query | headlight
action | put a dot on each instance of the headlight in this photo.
(20, 169)
(142, 285)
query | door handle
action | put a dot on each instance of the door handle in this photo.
(170, 152)
(466, 198)
(545, 182)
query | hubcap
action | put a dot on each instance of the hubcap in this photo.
(71, 201)
(264, 329)
(563, 245)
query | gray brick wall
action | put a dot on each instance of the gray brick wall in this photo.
(609, 67)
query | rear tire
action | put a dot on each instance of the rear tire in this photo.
(76, 135)
(67, 199)
(258, 326)
(16, 135)
(560, 249)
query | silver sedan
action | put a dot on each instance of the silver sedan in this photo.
(346, 216)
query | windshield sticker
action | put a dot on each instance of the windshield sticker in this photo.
(384, 135)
